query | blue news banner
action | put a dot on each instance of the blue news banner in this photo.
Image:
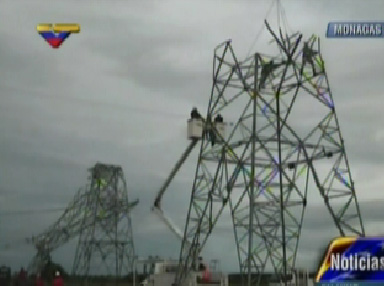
(355, 30)
(353, 261)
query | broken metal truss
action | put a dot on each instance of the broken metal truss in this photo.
(285, 144)
(106, 240)
(100, 216)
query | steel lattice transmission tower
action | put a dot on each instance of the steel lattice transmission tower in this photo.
(285, 143)
(100, 215)
(106, 243)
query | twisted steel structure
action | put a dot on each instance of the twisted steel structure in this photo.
(285, 143)
(100, 216)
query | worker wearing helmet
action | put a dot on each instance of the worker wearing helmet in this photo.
(58, 280)
(195, 114)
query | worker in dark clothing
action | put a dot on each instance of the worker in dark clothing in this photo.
(219, 118)
(195, 114)
(266, 70)
(308, 55)
(201, 264)
(22, 278)
(211, 133)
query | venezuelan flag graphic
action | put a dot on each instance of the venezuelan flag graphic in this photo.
(55, 40)
(56, 34)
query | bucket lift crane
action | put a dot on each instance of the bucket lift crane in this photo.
(198, 128)
(195, 132)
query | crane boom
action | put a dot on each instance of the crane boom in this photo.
(157, 204)
(169, 223)
(174, 171)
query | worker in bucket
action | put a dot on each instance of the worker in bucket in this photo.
(58, 280)
(195, 114)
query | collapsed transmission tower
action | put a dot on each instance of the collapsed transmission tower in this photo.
(107, 238)
(285, 143)
(100, 216)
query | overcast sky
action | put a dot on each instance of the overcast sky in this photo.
(120, 92)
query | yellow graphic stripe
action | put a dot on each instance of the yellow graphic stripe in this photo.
(57, 28)
(337, 242)
(73, 28)
(44, 27)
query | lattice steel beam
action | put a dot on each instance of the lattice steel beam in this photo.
(106, 240)
(100, 215)
(285, 143)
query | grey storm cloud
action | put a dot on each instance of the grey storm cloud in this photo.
(120, 92)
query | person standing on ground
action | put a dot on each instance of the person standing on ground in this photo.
(22, 279)
(39, 280)
(58, 280)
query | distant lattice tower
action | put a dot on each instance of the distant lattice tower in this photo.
(285, 143)
(105, 244)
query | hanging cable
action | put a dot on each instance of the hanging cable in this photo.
(29, 212)
(278, 4)
(285, 20)
(260, 31)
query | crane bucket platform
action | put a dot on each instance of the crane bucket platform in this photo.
(166, 271)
